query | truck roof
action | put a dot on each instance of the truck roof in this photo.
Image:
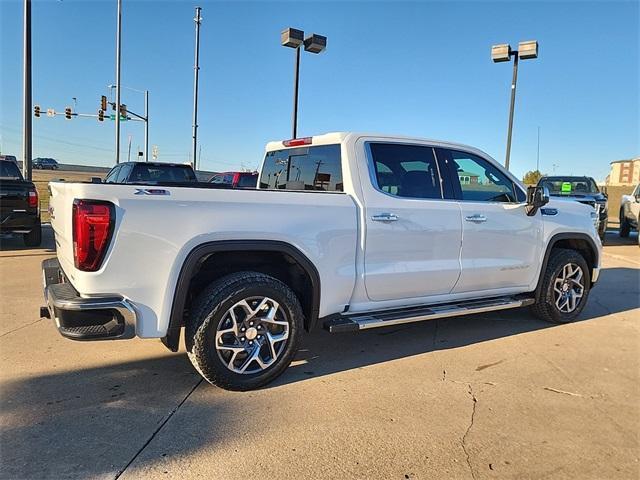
(340, 137)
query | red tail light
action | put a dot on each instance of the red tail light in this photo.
(92, 228)
(295, 142)
(33, 199)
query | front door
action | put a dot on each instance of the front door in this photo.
(501, 245)
(413, 236)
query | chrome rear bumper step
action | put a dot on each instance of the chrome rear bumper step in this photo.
(384, 318)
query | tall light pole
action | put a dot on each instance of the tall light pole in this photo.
(294, 38)
(118, 56)
(503, 53)
(26, 93)
(196, 70)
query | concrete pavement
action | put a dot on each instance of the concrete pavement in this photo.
(500, 395)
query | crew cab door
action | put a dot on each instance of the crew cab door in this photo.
(413, 236)
(501, 245)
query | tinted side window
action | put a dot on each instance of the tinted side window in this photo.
(306, 168)
(111, 176)
(409, 171)
(478, 180)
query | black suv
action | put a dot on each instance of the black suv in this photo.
(583, 190)
(45, 164)
(150, 173)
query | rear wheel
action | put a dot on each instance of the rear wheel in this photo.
(34, 237)
(565, 287)
(244, 331)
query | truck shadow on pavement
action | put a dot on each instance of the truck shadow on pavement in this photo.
(323, 353)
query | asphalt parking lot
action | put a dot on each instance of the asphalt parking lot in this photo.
(500, 395)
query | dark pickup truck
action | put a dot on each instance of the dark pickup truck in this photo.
(19, 210)
(583, 190)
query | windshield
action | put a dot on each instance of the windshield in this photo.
(569, 185)
(9, 170)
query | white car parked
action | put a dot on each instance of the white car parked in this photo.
(346, 230)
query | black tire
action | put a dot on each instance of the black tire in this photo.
(34, 237)
(210, 309)
(625, 228)
(545, 308)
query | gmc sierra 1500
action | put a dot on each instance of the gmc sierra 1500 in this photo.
(350, 231)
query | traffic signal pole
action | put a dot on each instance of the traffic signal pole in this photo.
(26, 131)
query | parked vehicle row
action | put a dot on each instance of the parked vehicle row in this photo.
(583, 190)
(19, 206)
(345, 230)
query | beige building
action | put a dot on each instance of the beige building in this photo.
(624, 172)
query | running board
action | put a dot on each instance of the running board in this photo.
(384, 318)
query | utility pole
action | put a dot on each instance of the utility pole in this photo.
(296, 77)
(538, 156)
(196, 69)
(118, 56)
(26, 131)
(129, 154)
(146, 125)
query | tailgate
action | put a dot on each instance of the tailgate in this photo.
(60, 209)
(14, 197)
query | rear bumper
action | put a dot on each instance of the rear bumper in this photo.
(84, 318)
(19, 222)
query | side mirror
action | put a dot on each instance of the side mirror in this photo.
(96, 180)
(537, 197)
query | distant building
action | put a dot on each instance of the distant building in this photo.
(468, 178)
(624, 172)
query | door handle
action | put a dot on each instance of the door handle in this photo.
(385, 217)
(477, 218)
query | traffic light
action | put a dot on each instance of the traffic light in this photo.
(67, 113)
(103, 103)
(123, 111)
(36, 110)
(101, 114)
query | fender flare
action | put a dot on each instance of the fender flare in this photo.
(198, 253)
(552, 242)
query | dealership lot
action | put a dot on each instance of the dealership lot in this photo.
(500, 395)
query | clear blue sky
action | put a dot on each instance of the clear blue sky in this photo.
(416, 68)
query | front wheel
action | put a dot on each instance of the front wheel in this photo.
(565, 287)
(625, 228)
(244, 330)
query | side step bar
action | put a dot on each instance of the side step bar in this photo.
(384, 318)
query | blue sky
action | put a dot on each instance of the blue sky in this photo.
(412, 68)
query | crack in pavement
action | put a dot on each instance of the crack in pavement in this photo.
(20, 327)
(464, 437)
(157, 430)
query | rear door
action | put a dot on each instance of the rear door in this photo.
(413, 235)
(501, 245)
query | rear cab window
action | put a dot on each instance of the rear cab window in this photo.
(155, 173)
(9, 170)
(316, 168)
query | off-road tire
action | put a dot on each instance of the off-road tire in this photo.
(209, 309)
(545, 307)
(34, 237)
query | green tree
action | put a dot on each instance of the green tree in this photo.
(532, 177)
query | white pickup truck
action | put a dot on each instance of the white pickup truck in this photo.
(349, 231)
(630, 213)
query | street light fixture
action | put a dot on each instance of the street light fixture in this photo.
(314, 43)
(503, 53)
